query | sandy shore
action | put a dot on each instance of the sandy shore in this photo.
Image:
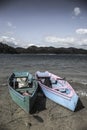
(46, 115)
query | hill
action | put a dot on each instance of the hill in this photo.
(51, 50)
(4, 48)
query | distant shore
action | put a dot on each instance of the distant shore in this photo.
(5, 49)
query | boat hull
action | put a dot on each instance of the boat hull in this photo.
(26, 102)
(69, 103)
(57, 89)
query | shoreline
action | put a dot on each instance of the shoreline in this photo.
(46, 114)
(50, 116)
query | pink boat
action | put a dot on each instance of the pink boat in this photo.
(57, 89)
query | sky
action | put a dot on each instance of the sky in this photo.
(57, 23)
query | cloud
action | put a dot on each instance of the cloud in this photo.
(31, 44)
(4, 37)
(9, 33)
(81, 31)
(77, 11)
(9, 41)
(54, 39)
(59, 42)
(66, 42)
(9, 24)
(74, 41)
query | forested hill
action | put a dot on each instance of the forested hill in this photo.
(4, 48)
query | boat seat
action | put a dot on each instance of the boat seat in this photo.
(25, 89)
(63, 90)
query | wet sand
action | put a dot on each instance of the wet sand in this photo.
(46, 114)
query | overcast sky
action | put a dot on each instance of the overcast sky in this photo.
(58, 23)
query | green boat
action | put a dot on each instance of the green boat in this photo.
(23, 90)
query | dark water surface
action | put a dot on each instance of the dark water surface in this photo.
(73, 67)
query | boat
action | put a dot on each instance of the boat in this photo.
(57, 89)
(23, 89)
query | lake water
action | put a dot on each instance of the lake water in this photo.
(73, 67)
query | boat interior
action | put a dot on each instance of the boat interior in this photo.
(55, 84)
(23, 85)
